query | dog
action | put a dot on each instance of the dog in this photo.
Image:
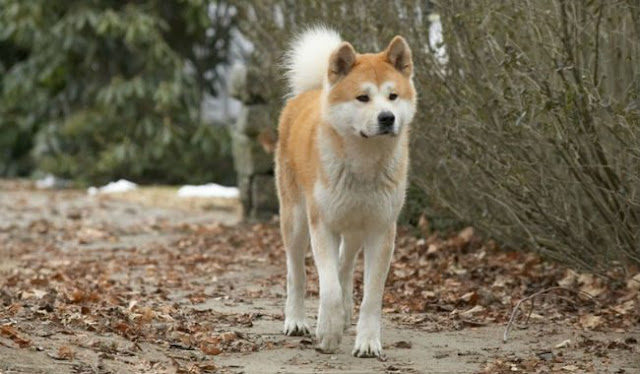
(341, 174)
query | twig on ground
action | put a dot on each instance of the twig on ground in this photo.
(533, 305)
(474, 322)
(532, 298)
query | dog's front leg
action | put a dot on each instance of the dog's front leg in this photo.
(349, 248)
(377, 257)
(324, 244)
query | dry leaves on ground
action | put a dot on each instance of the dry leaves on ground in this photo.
(67, 278)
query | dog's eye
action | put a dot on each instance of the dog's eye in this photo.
(363, 98)
(393, 96)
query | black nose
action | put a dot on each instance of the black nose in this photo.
(385, 119)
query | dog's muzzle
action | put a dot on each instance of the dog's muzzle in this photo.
(386, 120)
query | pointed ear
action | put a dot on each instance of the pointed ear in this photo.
(341, 62)
(399, 55)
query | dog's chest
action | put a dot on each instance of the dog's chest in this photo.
(361, 199)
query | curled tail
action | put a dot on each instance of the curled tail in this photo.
(307, 59)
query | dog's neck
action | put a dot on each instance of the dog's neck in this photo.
(364, 157)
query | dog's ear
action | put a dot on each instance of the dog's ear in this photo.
(341, 62)
(398, 54)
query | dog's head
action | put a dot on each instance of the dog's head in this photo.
(370, 95)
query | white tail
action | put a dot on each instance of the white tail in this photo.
(307, 60)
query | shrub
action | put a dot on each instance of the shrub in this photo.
(530, 131)
(198, 154)
(106, 89)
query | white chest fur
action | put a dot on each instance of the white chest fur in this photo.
(361, 191)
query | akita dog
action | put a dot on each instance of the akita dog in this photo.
(341, 168)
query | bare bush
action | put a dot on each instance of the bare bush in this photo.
(536, 126)
(530, 131)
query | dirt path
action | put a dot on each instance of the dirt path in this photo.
(114, 285)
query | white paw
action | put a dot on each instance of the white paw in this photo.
(367, 345)
(329, 343)
(294, 327)
(330, 328)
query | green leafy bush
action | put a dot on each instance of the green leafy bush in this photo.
(96, 90)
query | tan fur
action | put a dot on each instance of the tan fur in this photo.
(301, 119)
(343, 187)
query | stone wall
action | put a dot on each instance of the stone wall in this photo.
(253, 143)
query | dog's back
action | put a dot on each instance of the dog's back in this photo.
(306, 64)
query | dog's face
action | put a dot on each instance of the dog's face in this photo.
(370, 95)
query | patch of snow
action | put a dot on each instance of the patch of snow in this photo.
(209, 190)
(122, 185)
(47, 182)
(50, 181)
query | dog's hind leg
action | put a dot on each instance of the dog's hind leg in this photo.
(295, 234)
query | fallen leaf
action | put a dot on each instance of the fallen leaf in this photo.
(432, 249)
(564, 344)
(12, 333)
(624, 308)
(470, 297)
(228, 336)
(634, 283)
(402, 344)
(65, 353)
(77, 296)
(207, 367)
(474, 310)
(569, 280)
(590, 321)
(210, 349)
(39, 294)
(591, 285)
(466, 234)
(428, 294)
(89, 234)
(571, 368)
